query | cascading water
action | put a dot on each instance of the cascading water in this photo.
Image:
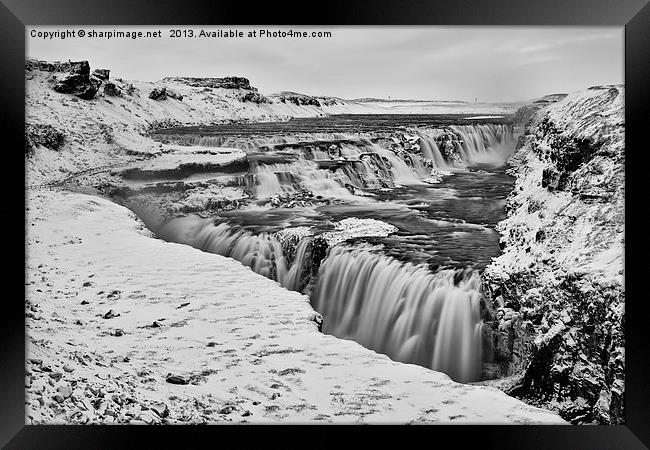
(403, 311)
(290, 177)
(485, 143)
(361, 165)
(262, 252)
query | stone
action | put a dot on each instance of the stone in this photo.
(68, 369)
(78, 82)
(64, 391)
(160, 408)
(110, 314)
(56, 376)
(112, 90)
(175, 379)
(158, 94)
(118, 332)
(102, 74)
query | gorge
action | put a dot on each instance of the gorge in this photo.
(395, 226)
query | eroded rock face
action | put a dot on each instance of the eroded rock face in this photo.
(102, 74)
(163, 93)
(43, 135)
(555, 298)
(112, 90)
(216, 83)
(253, 97)
(77, 80)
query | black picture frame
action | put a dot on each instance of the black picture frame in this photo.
(634, 15)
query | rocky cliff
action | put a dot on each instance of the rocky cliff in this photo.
(555, 298)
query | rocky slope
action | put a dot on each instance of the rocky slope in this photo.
(556, 295)
(98, 120)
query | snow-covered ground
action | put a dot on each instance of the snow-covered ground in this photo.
(113, 313)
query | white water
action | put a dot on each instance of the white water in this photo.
(403, 311)
(364, 165)
(430, 150)
(275, 179)
(485, 143)
(262, 252)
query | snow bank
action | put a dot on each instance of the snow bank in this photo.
(124, 328)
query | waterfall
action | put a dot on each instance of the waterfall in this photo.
(262, 252)
(431, 151)
(403, 311)
(350, 164)
(301, 175)
(485, 143)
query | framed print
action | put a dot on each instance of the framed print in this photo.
(417, 214)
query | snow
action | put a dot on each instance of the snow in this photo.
(353, 227)
(244, 342)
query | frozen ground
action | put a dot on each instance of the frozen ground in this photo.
(115, 317)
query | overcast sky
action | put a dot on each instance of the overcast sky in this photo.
(432, 63)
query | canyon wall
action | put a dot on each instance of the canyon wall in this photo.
(555, 297)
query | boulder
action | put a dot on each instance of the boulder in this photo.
(112, 90)
(102, 74)
(158, 94)
(162, 94)
(78, 81)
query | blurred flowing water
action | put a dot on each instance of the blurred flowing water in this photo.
(413, 295)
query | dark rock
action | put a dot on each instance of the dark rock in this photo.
(158, 94)
(110, 314)
(253, 97)
(35, 361)
(56, 376)
(160, 408)
(112, 90)
(183, 305)
(102, 74)
(162, 94)
(79, 82)
(42, 135)
(118, 332)
(175, 379)
(215, 83)
(85, 302)
(211, 344)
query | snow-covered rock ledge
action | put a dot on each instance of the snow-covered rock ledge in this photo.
(559, 281)
(125, 328)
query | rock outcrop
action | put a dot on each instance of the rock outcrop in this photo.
(42, 135)
(112, 90)
(214, 83)
(78, 81)
(163, 93)
(102, 74)
(555, 297)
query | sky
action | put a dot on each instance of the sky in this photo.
(490, 64)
